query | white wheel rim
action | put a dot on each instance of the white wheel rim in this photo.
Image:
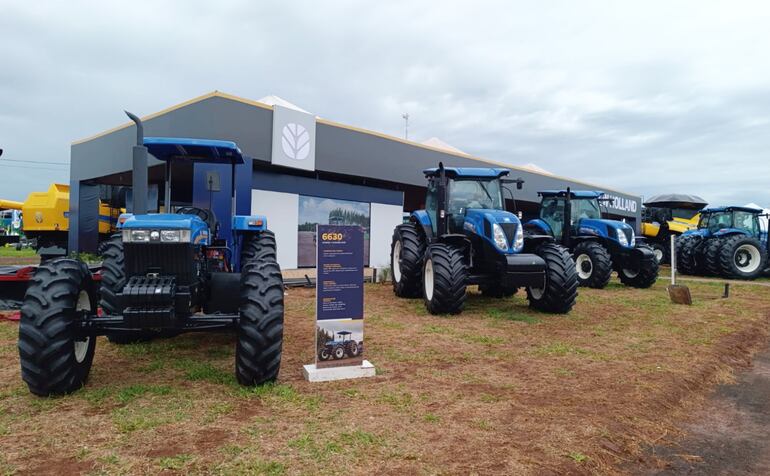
(584, 266)
(397, 261)
(428, 279)
(536, 293)
(630, 272)
(81, 346)
(747, 258)
(658, 254)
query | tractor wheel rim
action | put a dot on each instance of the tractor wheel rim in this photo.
(658, 253)
(537, 293)
(631, 273)
(747, 258)
(397, 261)
(584, 266)
(428, 279)
(339, 353)
(81, 346)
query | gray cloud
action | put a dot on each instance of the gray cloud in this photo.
(649, 97)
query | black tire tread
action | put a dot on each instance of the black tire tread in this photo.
(412, 254)
(449, 279)
(601, 261)
(647, 275)
(727, 253)
(686, 252)
(561, 288)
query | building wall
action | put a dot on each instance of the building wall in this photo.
(282, 219)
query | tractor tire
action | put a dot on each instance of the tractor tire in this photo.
(55, 355)
(686, 252)
(353, 349)
(259, 246)
(444, 276)
(593, 264)
(662, 253)
(497, 290)
(406, 260)
(338, 352)
(260, 327)
(711, 262)
(324, 354)
(113, 281)
(742, 257)
(642, 278)
(561, 281)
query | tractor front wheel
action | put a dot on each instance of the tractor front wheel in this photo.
(662, 253)
(406, 254)
(260, 327)
(55, 354)
(593, 264)
(686, 251)
(259, 246)
(742, 257)
(444, 276)
(560, 290)
(642, 275)
(711, 263)
(324, 354)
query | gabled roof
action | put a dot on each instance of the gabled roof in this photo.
(440, 144)
(273, 100)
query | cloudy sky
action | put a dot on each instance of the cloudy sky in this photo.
(646, 97)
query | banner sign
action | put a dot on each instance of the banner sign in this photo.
(339, 295)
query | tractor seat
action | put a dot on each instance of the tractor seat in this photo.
(205, 214)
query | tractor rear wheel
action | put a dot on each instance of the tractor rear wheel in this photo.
(444, 276)
(662, 252)
(642, 276)
(560, 292)
(742, 257)
(406, 256)
(593, 264)
(113, 281)
(686, 252)
(260, 327)
(711, 262)
(497, 290)
(259, 246)
(55, 354)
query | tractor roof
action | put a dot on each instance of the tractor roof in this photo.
(194, 150)
(468, 172)
(344, 333)
(573, 193)
(731, 209)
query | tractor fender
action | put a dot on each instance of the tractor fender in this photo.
(421, 218)
(729, 232)
(249, 223)
(538, 227)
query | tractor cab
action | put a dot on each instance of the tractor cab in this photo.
(722, 220)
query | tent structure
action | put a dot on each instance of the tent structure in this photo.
(676, 200)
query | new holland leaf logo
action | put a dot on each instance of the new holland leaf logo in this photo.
(295, 141)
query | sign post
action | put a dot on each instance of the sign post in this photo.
(339, 330)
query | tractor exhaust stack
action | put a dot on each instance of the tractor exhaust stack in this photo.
(139, 171)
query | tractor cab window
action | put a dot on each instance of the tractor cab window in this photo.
(718, 221)
(464, 194)
(746, 221)
(552, 212)
(585, 209)
(431, 203)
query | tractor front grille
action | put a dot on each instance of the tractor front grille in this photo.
(164, 259)
(510, 231)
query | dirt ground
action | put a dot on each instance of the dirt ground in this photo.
(498, 389)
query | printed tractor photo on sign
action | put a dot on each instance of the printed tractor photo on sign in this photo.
(327, 211)
(339, 343)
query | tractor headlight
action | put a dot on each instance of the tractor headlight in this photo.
(633, 238)
(518, 241)
(175, 236)
(136, 236)
(499, 236)
(622, 237)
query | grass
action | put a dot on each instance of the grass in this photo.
(10, 251)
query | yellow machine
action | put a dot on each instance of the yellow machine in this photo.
(669, 215)
(45, 217)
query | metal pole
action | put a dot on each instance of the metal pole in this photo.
(139, 179)
(673, 260)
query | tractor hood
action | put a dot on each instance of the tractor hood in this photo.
(166, 221)
(612, 229)
(481, 221)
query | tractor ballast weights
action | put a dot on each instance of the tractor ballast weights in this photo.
(163, 274)
(465, 237)
(729, 243)
(599, 246)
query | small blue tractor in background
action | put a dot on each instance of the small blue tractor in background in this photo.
(598, 246)
(729, 242)
(338, 349)
(465, 237)
(163, 274)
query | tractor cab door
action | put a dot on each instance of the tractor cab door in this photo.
(747, 221)
(431, 204)
(552, 212)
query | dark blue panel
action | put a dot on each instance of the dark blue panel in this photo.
(219, 201)
(74, 219)
(243, 181)
(88, 217)
(274, 182)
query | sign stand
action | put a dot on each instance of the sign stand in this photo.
(339, 340)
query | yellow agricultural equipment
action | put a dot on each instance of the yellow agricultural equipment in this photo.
(666, 215)
(45, 218)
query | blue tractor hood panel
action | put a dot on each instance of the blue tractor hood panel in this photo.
(194, 150)
(603, 228)
(468, 172)
(474, 223)
(199, 232)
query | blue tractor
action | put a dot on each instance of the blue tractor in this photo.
(598, 246)
(163, 274)
(729, 242)
(465, 237)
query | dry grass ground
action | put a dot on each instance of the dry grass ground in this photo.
(497, 389)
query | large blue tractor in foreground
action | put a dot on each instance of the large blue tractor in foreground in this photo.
(163, 274)
(598, 246)
(729, 242)
(465, 237)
